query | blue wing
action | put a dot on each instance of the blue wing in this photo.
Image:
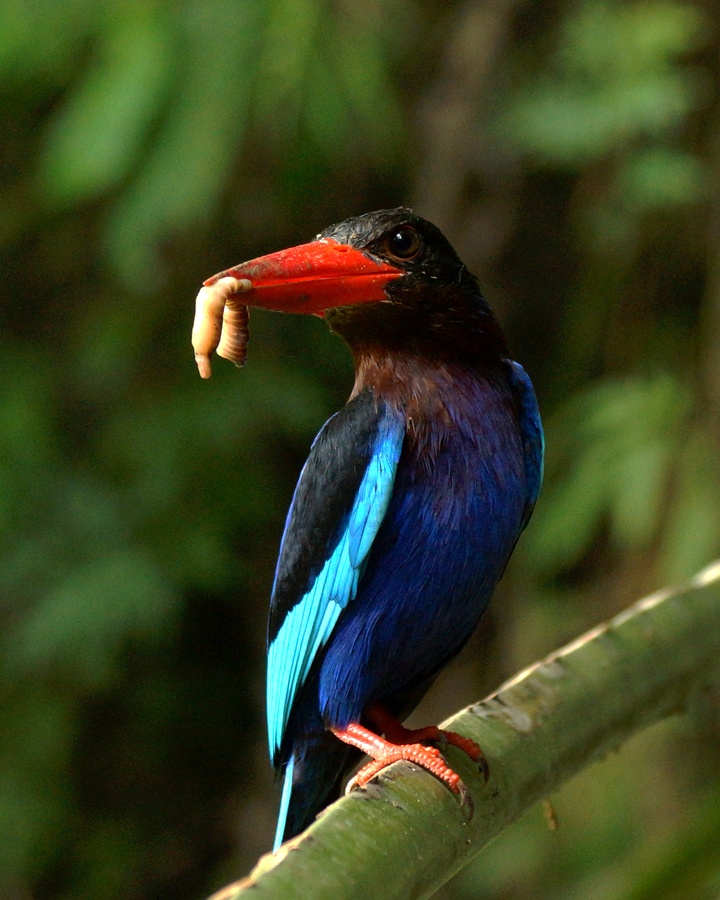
(339, 505)
(532, 433)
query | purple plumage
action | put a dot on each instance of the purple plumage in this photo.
(456, 511)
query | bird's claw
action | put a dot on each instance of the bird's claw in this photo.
(353, 786)
(467, 804)
(466, 801)
(468, 746)
(435, 766)
(484, 768)
(385, 752)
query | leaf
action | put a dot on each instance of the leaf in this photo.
(615, 78)
(36, 804)
(615, 460)
(84, 620)
(660, 177)
(103, 125)
(187, 167)
(290, 42)
(692, 531)
(28, 59)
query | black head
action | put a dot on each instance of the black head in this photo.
(435, 309)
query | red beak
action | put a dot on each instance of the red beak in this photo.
(313, 277)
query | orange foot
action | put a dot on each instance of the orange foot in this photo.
(402, 744)
(396, 733)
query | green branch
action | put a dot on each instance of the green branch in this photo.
(406, 835)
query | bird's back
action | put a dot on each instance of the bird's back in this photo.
(455, 514)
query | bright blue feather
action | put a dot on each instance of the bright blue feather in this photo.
(532, 432)
(284, 803)
(372, 499)
(309, 624)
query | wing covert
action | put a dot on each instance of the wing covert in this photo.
(338, 507)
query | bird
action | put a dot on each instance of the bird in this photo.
(407, 510)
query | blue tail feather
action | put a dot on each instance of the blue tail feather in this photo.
(312, 780)
(284, 803)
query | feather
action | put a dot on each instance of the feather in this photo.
(532, 433)
(309, 622)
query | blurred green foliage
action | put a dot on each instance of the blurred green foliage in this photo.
(612, 80)
(145, 145)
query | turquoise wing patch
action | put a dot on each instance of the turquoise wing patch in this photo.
(310, 623)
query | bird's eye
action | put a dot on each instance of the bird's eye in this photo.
(403, 243)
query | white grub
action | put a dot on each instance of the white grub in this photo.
(220, 323)
(234, 337)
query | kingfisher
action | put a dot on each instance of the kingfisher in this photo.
(407, 510)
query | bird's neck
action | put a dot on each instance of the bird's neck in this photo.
(429, 392)
(449, 325)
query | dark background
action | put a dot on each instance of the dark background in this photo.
(569, 150)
